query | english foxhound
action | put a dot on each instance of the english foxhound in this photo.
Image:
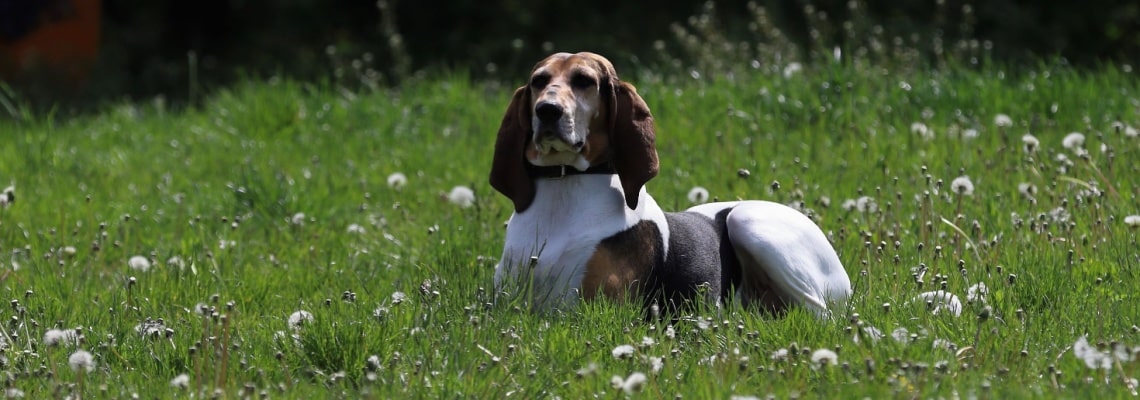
(574, 152)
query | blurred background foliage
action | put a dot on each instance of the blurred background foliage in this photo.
(178, 49)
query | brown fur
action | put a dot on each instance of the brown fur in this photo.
(622, 133)
(621, 263)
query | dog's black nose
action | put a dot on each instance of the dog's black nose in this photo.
(548, 112)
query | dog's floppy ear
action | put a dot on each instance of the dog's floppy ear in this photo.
(633, 139)
(508, 169)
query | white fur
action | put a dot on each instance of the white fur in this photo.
(562, 228)
(793, 252)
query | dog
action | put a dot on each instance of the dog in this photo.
(574, 151)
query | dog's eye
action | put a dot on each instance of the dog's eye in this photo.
(539, 81)
(582, 81)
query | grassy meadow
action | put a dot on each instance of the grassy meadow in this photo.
(258, 245)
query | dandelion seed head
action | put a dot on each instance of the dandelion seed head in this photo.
(634, 383)
(698, 195)
(941, 301)
(81, 360)
(297, 219)
(139, 263)
(1132, 221)
(970, 134)
(962, 186)
(461, 196)
(977, 292)
(1093, 358)
(8, 196)
(355, 229)
(398, 297)
(56, 337)
(397, 180)
(866, 204)
(922, 130)
(822, 357)
(299, 318)
(13, 393)
(1073, 141)
(792, 69)
(623, 351)
(1003, 121)
(1131, 132)
(1030, 143)
(182, 381)
(900, 334)
(1027, 189)
(780, 355)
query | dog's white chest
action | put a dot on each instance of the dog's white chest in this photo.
(548, 245)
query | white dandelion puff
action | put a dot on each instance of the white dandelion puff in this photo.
(977, 292)
(1131, 132)
(792, 69)
(900, 334)
(13, 393)
(8, 196)
(1132, 221)
(1027, 189)
(871, 333)
(1093, 358)
(461, 196)
(634, 383)
(698, 195)
(617, 382)
(1003, 121)
(56, 337)
(398, 297)
(962, 185)
(623, 351)
(181, 381)
(299, 319)
(297, 219)
(1073, 141)
(355, 229)
(822, 357)
(656, 364)
(139, 263)
(1030, 143)
(176, 262)
(81, 360)
(866, 204)
(397, 180)
(922, 130)
(780, 355)
(848, 205)
(941, 300)
(970, 134)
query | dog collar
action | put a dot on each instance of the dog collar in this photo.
(562, 171)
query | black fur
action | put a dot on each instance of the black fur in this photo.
(701, 258)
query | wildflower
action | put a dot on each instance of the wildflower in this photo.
(150, 328)
(299, 319)
(297, 219)
(398, 297)
(1093, 358)
(7, 197)
(1131, 132)
(900, 335)
(1003, 121)
(1132, 221)
(181, 381)
(977, 292)
(623, 351)
(962, 185)
(866, 204)
(226, 244)
(13, 393)
(634, 383)
(356, 229)
(176, 261)
(922, 130)
(970, 134)
(1027, 189)
(139, 263)
(55, 337)
(869, 332)
(698, 195)
(68, 250)
(822, 357)
(461, 196)
(397, 180)
(1031, 143)
(941, 300)
(848, 205)
(1073, 141)
(943, 344)
(81, 360)
(656, 364)
(780, 355)
(792, 68)
(647, 341)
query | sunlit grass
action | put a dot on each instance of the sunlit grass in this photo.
(274, 198)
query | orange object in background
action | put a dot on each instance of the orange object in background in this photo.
(63, 43)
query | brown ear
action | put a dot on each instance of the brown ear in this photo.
(508, 169)
(633, 139)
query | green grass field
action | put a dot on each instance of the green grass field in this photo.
(272, 197)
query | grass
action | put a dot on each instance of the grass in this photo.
(242, 207)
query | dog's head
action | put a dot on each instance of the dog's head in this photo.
(575, 112)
